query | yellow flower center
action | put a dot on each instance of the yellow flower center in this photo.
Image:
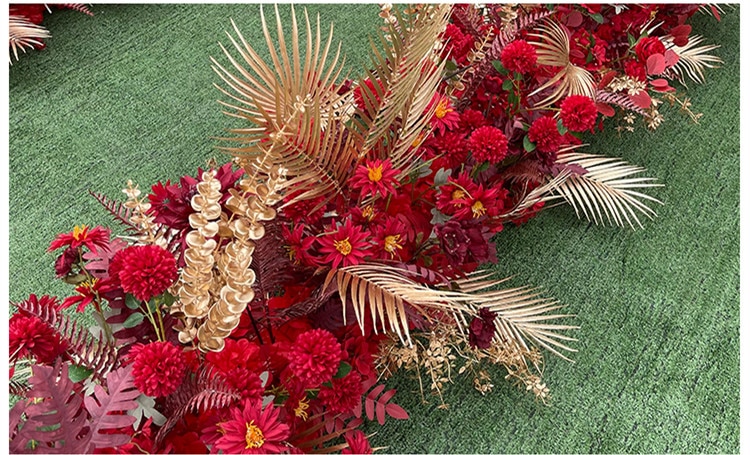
(343, 246)
(478, 209)
(392, 243)
(301, 409)
(368, 213)
(89, 284)
(375, 173)
(253, 436)
(457, 194)
(78, 231)
(418, 141)
(442, 108)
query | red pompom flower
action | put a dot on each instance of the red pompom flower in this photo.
(28, 335)
(519, 56)
(578, 113)
(543, 132)
(158, 367)
(144, 270)
(344, 395)
(314, 357)
(488, 144)
(253, 430)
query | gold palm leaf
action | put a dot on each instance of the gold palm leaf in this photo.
(410, 71)
(693, 59)
(292, 105)
(24, 34)
(521, 313)
(607, 189)
(554, 50)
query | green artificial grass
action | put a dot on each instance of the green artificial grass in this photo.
(128, 94)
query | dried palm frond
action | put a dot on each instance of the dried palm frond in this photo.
(693, 59)
(606, 189)
(24, 34)
(521, 313)
(292, 103)
(408, 72)
(554, 50)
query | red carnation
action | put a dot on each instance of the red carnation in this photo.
(158, 367)
(314, 357)
(578, 113)
(144, 270)
(28, 335)
(344, 395)
(543, 132)
(253, 430)
(519, 56)
(358, 443)
(647, 47)
(489, 144)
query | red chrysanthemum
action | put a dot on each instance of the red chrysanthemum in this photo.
(488, 144)
(98, 237)
(299, 245)
(636, 70)
(451, 150)
(144, 270)
(28, 335)
(252, 429)
(519, 56)
(647, 47)
(89, 291)
(345, 245)
(375, 177)
(158, 367)
(389, 239)
(578, 113)
(445, 116)
(344, 395)
(478, 203)
(458, 43)
(314, 357)
(358, 443)
(543, 132)
(455, 193)
(471, 119)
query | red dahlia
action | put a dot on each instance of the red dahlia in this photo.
(253, 429)
(144, 270)
(344, 395)
(543, 132)
(314, 357)
(158, 367)
(519, 56)
(299, 245)
(82, 236)
(488, 144)
(375, 177)
(578, 113)
(456, 193)
(346, 244)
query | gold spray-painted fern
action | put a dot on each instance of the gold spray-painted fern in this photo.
(24, 34)
(693, 59)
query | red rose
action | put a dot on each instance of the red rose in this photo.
(647, 47)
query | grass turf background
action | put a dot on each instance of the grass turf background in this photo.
(128, 94)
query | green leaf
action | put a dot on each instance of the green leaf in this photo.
(517, 76)
(528, 145)
(598, 18)
(344, 369)
(131, 302)
(450, 66)
(133, 320)
(507, 85)
(631, 40)
(513, 99)
(78, 373)
(589, 57)
(499, 67)
(560, 128)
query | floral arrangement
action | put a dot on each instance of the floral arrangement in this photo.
(257, 306)
(24, 25)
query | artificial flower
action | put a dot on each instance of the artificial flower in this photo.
(482, 329)
(66, 260)
(299, 245)
(346, 245)
(358, 443)
(488, 144)
(144, 270)
(445, 116)
(29, 336)
(98, 237)
(314, 357)
(158, 367)
(578, 113)
(544, 134)
(519, 56)
(648, 46)
(375, 177)
(253, 430)
(389, 239)
(343, 395)
(455, 193)
(89, 291)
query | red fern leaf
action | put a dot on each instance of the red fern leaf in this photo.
(98, 262)
(107, 408)
(119, 212)
(80, 7)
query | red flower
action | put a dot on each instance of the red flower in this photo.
(451, 149)
(445, 115)
(314, 357)
(28, 335)
(188, 442)
(344, 395)
(390, 238)
(239, 364)
(346, 244)
(482, 329)
(635, 70)
(455, 193)
(358, 443)
(480, 202)
(471, 120)
(519, 56)
(458, 43)
(144, 270)
(543, 132)
(375, 177)
(81, 236)
(578, 113)
(88, 291)
(647, 47)
(158, 367)
(64, 263)
(253, 430)
(368, 96)
(488, 144)
(299, 247)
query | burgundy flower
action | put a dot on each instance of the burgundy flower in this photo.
(375, 177)
(636, 70)
(453, 241)
(482, 329)
(64, 263)
(345, 245)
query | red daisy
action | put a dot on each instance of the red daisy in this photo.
(543, 132)
(478, 203)
(88, 291)
(346, 244)
(455, 193)
(299, 245)
(82, 236)
(519, 56)
(253, 430)
(578, 113)
(144, 270)
(375, 177)
(445, 116)
(488, 144)
(358, 443)
(343, 395)
(314, 357)
(390, 238)
(158, 367)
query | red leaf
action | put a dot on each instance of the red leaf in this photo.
(370, 408)
(607, 79)
(642, 99)
(386, 396)
(574, 19)
(380, 411)
(605, 109)
(656, 64)
(358, 409)
(671, 58)
(396, 411)
(661, 85)
(376, 391)
(107, 408)
(716, 13)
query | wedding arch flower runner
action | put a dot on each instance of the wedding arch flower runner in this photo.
(258, 306)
